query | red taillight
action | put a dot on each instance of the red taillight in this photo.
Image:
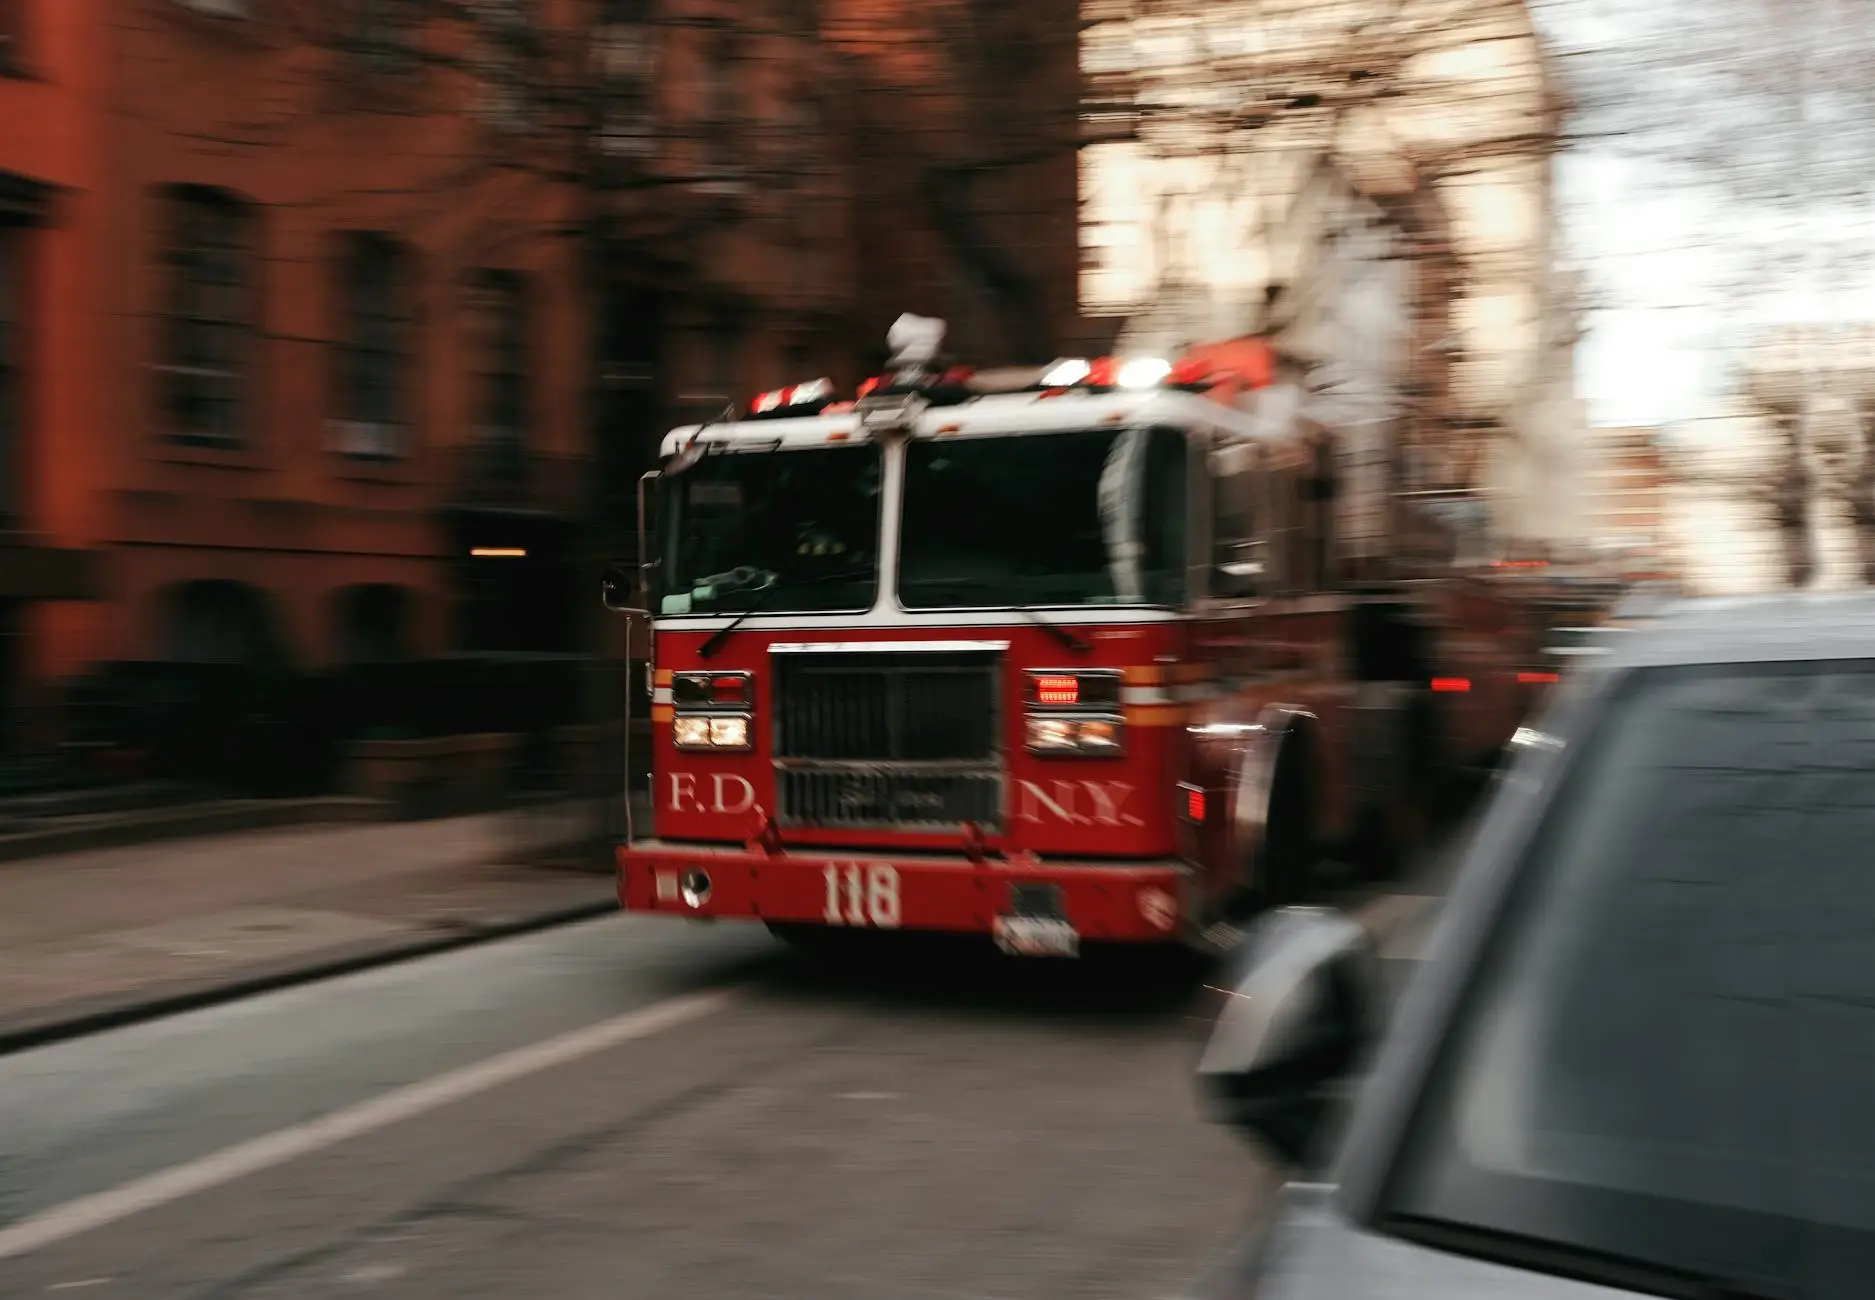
(1451, 685)
(1538, 679)
(1194, 804)
(1057, 689)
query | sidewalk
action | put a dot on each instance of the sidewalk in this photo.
(110, 935)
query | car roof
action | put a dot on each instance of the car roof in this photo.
(1787, 626)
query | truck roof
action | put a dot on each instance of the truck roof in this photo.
(989, 415)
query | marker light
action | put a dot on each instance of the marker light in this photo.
(731, 688)
(1538, 679)
(1144, 372)
(1451, 685)
(1066, 373)
(1057, 689)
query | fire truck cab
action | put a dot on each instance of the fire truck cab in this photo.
(1058, 657)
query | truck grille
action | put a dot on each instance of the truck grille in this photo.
(888, 740)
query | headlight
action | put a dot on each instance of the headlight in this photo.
(1052, 735)
(690, 732)
(1088, 737)
(729, 733)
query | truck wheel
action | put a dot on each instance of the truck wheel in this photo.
(811, 940)
(1281, 868)
(1431, 777)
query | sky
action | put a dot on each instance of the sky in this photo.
(1660, 344)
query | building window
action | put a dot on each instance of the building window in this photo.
(722, 107)
(12, 34)
(374, 350)
(501, 326)
(627, 52)
(12, 470)
(220, 622)
(207, 347)
(798, 364)
(722, 361)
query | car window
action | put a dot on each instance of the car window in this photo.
(1668, 1054)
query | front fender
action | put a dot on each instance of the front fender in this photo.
(1234, 758)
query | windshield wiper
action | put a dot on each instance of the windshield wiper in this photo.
(1064, 635)
(760, 601)
(1584, 1263)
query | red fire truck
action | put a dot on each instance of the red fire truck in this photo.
(1064, 656)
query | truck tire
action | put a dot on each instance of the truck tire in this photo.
(812, 940)
(1430, 779)
(1281, 867)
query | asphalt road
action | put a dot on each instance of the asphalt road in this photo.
(633, 1107)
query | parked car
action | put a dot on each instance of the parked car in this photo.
(1638, 1056)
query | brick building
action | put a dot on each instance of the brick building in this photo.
(304, 305)
(967, 121)
(726, 199)
(302, 323)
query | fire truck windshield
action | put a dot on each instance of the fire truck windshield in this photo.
(790, 530)
(1089, 517)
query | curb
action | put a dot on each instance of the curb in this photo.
(158, 826)
(115, 1012)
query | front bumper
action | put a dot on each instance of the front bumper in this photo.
(1131, 902)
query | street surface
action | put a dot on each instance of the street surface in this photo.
(634, 1107)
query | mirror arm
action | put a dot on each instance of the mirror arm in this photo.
(644, 563)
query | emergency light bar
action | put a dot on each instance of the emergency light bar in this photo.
(793, 402)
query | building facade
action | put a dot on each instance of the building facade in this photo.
(1222, 141)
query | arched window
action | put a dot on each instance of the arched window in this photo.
(221, 622)
(374, 623)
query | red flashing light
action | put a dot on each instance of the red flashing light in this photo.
(1103, 373)
(1191, 371)
(729, 690)
(1057, 689)
(1451, 685)
(1194, 804)
(1538, 679)
(868, 386)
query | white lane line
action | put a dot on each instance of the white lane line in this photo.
(251, 1157)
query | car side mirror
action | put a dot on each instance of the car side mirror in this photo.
(615, 589)
(1297, 1009)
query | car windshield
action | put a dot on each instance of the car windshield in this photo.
(1668, 1054)
(783, 530)
(1079, 518)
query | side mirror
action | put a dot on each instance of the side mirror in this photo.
(615, 589)
(1297, 1010)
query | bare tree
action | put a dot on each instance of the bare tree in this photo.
(1759, 119)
